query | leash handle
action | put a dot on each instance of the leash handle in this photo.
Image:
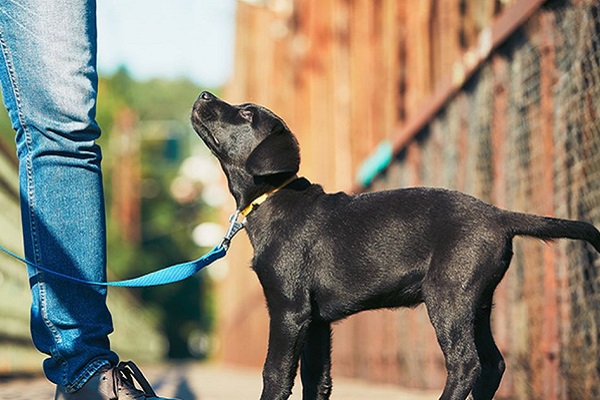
(163, 276)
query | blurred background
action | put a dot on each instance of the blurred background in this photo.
(498, 98)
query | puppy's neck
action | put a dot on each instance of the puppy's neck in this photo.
(247, 189)
(263, 197)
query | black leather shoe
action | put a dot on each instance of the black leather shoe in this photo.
(116, 383)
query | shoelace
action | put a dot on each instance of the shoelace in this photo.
(125, 375)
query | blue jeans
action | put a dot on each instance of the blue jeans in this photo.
(49, 84)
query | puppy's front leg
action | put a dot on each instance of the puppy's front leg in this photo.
(286, 338)
(315, 367)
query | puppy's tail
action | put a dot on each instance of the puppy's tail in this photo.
(547, 228)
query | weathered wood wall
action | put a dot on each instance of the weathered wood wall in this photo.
(464, 101)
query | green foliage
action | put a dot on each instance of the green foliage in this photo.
(162, 129)
(160, 112)
(155, 99)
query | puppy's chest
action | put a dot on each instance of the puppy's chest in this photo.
(289, 257)
(282, 274)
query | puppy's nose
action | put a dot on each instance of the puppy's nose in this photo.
(206, 96)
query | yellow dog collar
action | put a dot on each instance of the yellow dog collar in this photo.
(261, 199)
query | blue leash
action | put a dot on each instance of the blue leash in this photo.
(171, 274)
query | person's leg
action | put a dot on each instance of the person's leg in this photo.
(49, 84)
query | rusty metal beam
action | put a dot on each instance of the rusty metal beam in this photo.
(489, 40)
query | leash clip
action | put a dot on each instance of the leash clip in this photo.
(234, 227)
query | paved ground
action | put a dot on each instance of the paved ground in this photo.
(211, 382)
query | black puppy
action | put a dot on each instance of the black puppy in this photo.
(322, 257)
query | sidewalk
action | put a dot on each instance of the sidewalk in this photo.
(214, 382)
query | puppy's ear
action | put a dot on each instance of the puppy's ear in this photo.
(278, 153)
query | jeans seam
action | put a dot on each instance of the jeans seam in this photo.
(30, 187)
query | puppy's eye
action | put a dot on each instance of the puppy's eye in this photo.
(247, 115)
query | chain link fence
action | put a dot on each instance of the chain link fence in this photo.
(524, 133)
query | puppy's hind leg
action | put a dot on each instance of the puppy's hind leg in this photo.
(492, 363)
(315, 365)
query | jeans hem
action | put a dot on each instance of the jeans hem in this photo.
(87, 373)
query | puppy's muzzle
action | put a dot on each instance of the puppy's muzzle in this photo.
(202, 111)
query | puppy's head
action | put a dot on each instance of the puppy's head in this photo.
(254, 146)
